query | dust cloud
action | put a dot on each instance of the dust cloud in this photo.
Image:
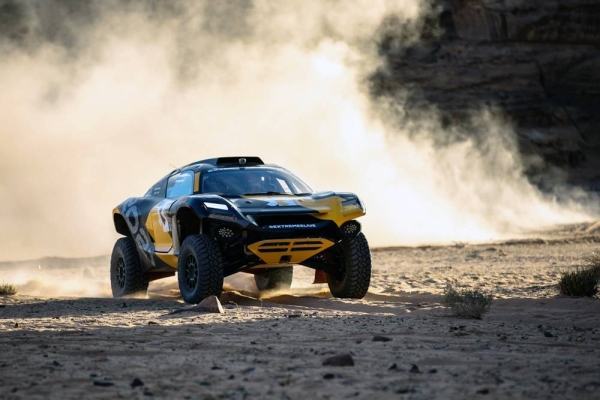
(100, 99)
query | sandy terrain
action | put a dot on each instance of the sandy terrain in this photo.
(532, 344)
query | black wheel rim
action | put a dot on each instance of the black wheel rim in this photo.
(191, 272)
(121, 272)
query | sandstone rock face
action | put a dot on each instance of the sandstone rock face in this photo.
(551, 21)
(537, 61)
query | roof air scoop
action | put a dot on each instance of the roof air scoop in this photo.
(232, 161)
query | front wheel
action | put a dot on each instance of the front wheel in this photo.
(275, 279)
(126, 273)
(354, 276)
(199, 268)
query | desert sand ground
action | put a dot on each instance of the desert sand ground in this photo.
(63, 337)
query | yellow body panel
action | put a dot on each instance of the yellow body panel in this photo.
(335, 212)
(197, 182)
(291, 251)
(159, 227)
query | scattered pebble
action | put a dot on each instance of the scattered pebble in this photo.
(103, 383)
(136, 382)
(341, 360)
(381, 338)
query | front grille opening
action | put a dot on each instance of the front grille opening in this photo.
(297, 245)
(288, 219)
(281, 244)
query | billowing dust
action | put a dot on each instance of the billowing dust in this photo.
(90, 121)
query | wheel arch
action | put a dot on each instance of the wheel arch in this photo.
(188, 223)
(121, 225)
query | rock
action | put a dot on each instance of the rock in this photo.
(415, 369)
(210, 304)
(103, 383)
(548, 334)
(341, 360)
(547, 21)
(377, 338)
(328, 376)
(393, 367)
(136, 382)
(535, 62)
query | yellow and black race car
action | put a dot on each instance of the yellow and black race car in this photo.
(216, 217)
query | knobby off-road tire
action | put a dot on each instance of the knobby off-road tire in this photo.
(355, 267)
(127, 275)
(199, 268)
(275, 279)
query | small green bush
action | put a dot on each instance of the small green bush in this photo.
(466, 303)
(583, 282)
(6, 289)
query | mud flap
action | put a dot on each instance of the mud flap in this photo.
(320, 276)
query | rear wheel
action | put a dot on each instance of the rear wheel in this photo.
(354, 275)
(275, 279)
(199, 268)
(126, 273)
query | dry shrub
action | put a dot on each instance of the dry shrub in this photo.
(583, 281)
(6, 289)
(466, 303)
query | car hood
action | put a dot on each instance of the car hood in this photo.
(278, 204)
(334, 206)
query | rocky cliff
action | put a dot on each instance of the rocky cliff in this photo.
(537, 61)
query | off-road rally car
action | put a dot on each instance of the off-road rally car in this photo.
(216, 217)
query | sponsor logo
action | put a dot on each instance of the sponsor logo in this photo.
(132, 217)
(292, 226)
(224, 217)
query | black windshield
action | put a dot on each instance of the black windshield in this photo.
(252, 181)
